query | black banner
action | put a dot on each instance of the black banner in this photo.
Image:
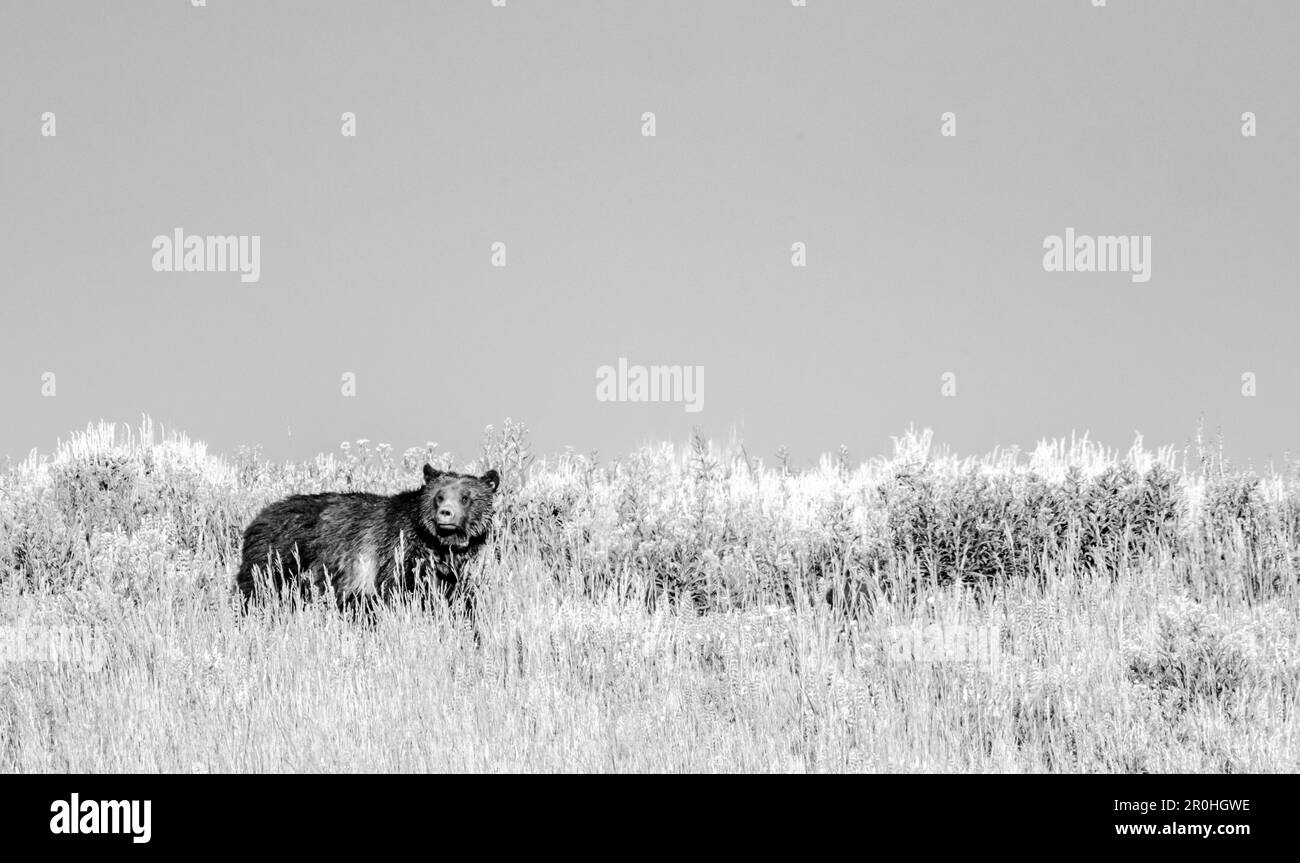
(224, 814)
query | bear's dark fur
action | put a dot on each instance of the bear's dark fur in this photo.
(370, 546)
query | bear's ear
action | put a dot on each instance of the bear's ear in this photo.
(431, 473)
(492, 478)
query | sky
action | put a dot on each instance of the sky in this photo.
(379, 310)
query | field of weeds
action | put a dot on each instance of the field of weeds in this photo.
(681, 609)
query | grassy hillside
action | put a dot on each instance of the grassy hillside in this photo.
(1070, 609)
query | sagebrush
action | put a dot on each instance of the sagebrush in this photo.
(681, 608)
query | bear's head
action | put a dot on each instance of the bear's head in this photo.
(457, 508)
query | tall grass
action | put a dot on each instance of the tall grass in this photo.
(679, 609)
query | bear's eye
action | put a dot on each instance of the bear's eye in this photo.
(464, 498)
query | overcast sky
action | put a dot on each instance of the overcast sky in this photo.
(773, 125)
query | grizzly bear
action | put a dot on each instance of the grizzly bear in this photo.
(371, 546)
